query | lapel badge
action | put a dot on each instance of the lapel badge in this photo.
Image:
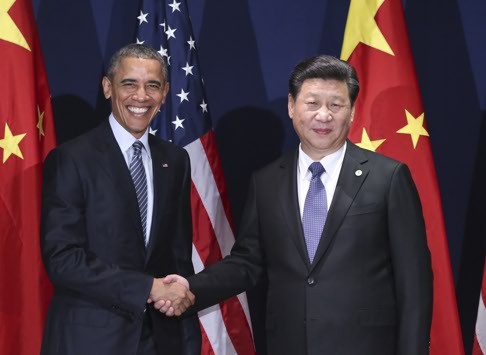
(165, 165)
(358, 173)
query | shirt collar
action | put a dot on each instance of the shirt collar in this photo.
(329, 162)
(124, 138)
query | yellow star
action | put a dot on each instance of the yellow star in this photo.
(366, 143)
(10, 143)
(40, 123)
(414, 127)
(362, 27)
(8, 29)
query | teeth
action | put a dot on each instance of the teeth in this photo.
(137, 109)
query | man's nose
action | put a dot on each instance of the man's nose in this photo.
(140, 94)
(324, 114)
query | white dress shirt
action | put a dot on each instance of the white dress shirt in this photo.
(125, 141)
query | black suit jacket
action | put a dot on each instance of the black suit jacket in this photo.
(93, 249)
(369, 289)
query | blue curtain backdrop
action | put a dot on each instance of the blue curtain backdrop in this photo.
(247, 50)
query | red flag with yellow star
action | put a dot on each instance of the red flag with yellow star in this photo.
(26, 136)
(389, 119)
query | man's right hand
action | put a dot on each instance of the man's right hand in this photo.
(171, 295)
(165, 305)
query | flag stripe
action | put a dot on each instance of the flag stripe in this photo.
(204, 239)
(208, 142)
(212, 321)
(202, 176)
(479, 346)
(233, 313)
(208, 248)
(205, 343)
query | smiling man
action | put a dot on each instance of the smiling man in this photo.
(337, 230)
(116, 217)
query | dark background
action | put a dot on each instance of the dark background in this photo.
(247, 50)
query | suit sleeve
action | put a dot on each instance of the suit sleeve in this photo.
(67, 258)
(240, 270)
(411, 264)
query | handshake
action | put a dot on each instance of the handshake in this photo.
(171, 295)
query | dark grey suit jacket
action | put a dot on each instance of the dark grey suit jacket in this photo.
(93, 249)
(369, 289)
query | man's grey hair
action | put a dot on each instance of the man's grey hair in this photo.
(136, 51)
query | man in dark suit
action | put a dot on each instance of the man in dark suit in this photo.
(116, 218)
(338, 231)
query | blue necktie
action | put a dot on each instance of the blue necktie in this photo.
(315, 210)
(140, 182)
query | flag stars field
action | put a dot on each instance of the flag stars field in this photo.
(10, 144)
(8, 29)
(183, 95)
(178, 123)
(175, 6)
(191, 43)
(366, 143)
(170, 33)
(143, 17)
(188, 69)
(163, 52)
(414, 127)
(204, 106)
(362, 28)
(40, 122)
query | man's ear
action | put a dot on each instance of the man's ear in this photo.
(165, 91)
(106, 83)
(291, 106)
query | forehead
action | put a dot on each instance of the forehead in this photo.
(138, 68)
(323, 87)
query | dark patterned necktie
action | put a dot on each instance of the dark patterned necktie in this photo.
(315, 210)
(140, 182)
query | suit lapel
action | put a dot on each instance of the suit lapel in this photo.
(289, 204)
(161, 169)
(113, 164)
(353, 174)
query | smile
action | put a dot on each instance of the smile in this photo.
(137, 109)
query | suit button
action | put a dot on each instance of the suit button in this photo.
(311, 281)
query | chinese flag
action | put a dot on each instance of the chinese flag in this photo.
(390, 119)
(26, 136)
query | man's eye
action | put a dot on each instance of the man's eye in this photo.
(335, 107)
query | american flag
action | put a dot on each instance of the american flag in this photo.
(185, 120)
(479, 343)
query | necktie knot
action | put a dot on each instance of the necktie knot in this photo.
(137, 148)
(316, 169)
